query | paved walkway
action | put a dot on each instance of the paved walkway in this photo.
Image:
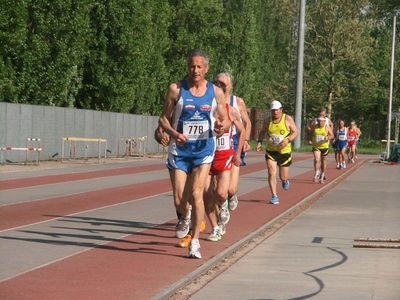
(107, 232)
(313, 256)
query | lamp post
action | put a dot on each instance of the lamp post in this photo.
(389, 117)
(299, 70)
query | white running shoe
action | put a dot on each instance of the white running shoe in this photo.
(322, 178)
(215, 235)
(316, 177)
(182, 228)
(233, 202)
(194, 249)
(224, 214)
(222, 229)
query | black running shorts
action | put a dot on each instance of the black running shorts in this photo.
(283, 160)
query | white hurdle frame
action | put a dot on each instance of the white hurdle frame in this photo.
(28, 149)
(72, 146)
(130, 144)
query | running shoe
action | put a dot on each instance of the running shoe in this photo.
(182, 228)
(224, 214)
(184, 243)
(215, 235)
(203, 226)
(322, 178)
(274, 200)
(352, 160)
(194, 249)
(344, 165)
(338, 166)
(233, 202)
(222, 229)
(316, 178)
(286, 185)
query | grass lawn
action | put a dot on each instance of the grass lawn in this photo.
(308, 148)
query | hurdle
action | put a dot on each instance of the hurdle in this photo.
(124, 146)
(72, 147)
(140, 145)
(28, 149)
(133, 146)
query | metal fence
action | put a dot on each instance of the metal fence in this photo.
(50, 124)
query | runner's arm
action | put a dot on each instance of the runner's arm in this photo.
(294, 132)
(262, 133)
(222, 122)
(246, 123)
(330, 133)
(235, 117)
(168, 108)
(311, 135)
(160, 137)
(310, 129)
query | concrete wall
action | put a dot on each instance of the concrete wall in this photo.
(20, 121)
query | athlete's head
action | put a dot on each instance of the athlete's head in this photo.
(198, 65)
(227, 79)
(322, 112)
(220, 84)
(321, 121)
(198, 52)
(276, 109)
(276, 105)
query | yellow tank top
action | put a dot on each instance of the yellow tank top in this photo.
(319, 138)
(277, 132)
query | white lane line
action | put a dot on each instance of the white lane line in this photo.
(89, 248)
(86, 211)
(72, 194)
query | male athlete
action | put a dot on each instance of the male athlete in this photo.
(281, 131)
(198, 114)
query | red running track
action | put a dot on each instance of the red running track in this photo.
(138, 266)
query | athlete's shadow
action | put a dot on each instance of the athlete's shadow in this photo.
(62, 239)
(111, 222)
(252, 200)
(103, 233)
(254, 178)
(304, 181)
(128, 241)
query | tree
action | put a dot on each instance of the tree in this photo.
(196, 25)
(49, 64)
(13, 18)
(338, 47)
(126, 60)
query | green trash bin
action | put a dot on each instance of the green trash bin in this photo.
(395, 153)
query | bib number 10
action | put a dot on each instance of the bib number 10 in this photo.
(223, 142)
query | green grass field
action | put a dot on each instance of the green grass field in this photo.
(307, 148)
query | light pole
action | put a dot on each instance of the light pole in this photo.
(299, 71)
(389, 117)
